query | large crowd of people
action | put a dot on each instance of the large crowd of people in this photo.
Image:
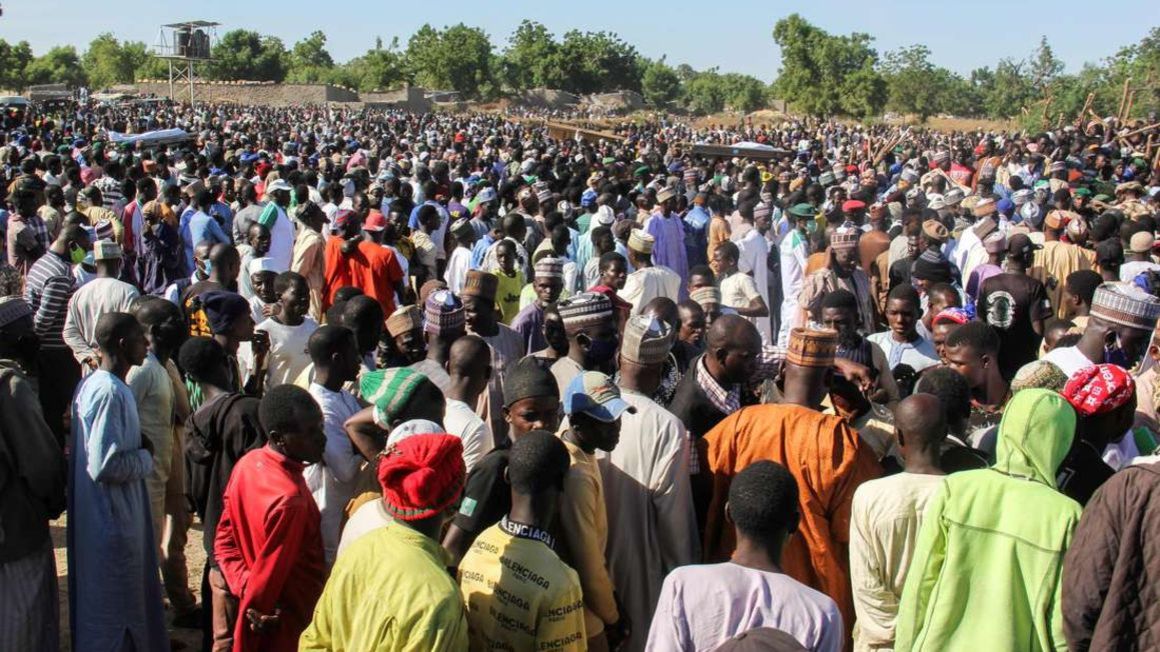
(447, 382)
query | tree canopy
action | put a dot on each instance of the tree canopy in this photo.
(308, 61)
(821, 74)
(244, 54)
(454, 58)
(60, 65)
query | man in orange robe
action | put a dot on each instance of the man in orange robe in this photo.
(823, 452)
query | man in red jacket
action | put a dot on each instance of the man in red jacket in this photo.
(269, 539)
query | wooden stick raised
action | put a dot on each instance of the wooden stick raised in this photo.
(1124, 98)
(1087, 106)
(1140, 130)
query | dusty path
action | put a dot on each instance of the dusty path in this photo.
(195, 559)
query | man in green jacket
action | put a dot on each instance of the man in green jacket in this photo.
(988, 561)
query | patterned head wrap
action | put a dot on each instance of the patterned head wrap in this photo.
(1099, 389)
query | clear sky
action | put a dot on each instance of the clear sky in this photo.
(734, 35)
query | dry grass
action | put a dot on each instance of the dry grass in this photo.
(971, 124)
(959, 124)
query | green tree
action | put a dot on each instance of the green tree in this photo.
(60, 65)
(660, 84)
(685, 72)
(532, 58)
(704, 95)
(308, 61)
(458, 57)
(913, 83)
(14, 60)
(1010, 90)
(1044, 68)
(743, 92)
(595, 62)
(863, 92)
(107, 62)
(247, 55)
(379, 69)
(704, 92)
(960, 96)
(145, 65)
(1141, 62)
(822, 74)
(311, 51)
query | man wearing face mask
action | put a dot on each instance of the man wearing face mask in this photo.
(1121, 321)
(47, 289)
(215, 272)
(104, 294)
(590, 325)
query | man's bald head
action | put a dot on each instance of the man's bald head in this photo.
(734, 348)
(732, 329)
(221, 253)
(513, 226)
(920, 421)
(469, 356)
(689, 308)
(152, 310)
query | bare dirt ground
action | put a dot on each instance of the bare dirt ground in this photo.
(181, 639)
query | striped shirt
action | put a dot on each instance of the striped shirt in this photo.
(728, 400)
(111, 196)
(47, 289)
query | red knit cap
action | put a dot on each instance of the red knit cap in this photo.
(1099, 389)
(422, 475)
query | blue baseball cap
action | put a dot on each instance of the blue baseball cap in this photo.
(594, 394)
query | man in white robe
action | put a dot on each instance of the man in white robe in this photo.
(649, 281)
(651, 523)
(754, 260)
(794, 251)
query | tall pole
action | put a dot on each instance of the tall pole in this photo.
(171, 96)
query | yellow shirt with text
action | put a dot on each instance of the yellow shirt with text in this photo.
(520, 595)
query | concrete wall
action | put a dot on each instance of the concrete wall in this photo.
(410, 98)
(253, 93)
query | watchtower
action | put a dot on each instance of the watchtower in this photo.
(185, 45)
